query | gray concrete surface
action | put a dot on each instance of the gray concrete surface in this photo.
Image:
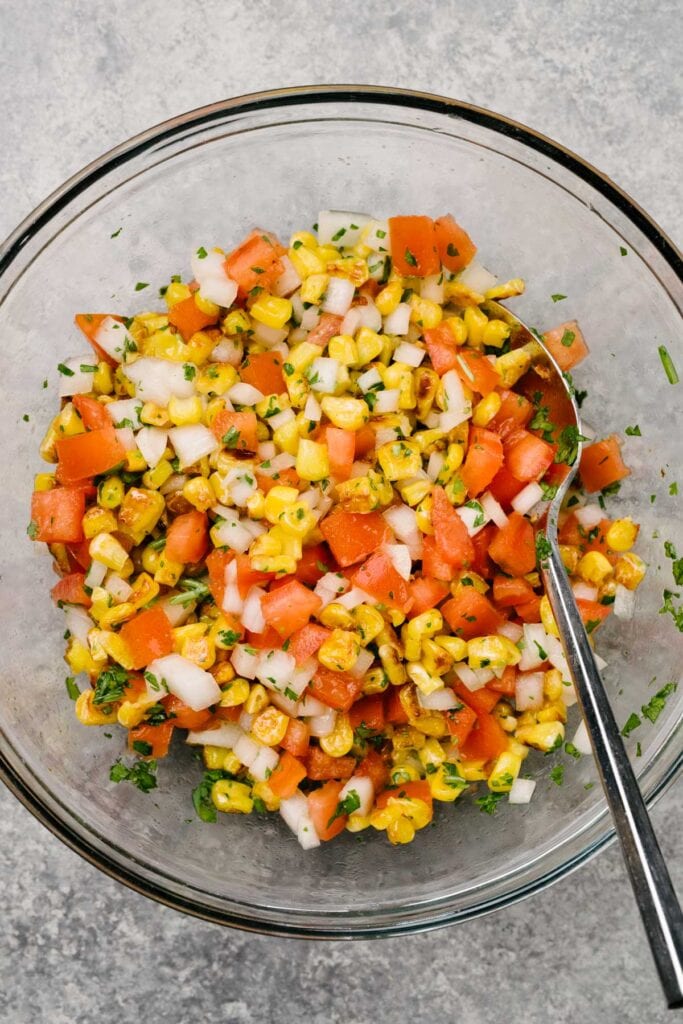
(78, 77)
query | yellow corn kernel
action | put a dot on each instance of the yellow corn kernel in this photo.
(495, 333)
(543, 736)
(368, 623)
(461, 294)
(258, 699)
(335, 616)
(455, 646)
(216, 379)
(236, 322)
(547, 618)
(102, 379)
(302, 355)
(340, 651)
(201, 651)
(191, 631)
(256, 505)
(467, 578)
(98, 520)
(305, 238)
(455, 453)
(432, 753)
(400, 831)
(114, 645)
(140, 511)
(432, 723)
(406, 737)
(553, 711)
(306, 261)
(435, 659)
(271, 310)
(232, 797)
(270, 726)
(313, 288)
(553, 687)
(199, 493)
(346, 413)
(223, 672)
(344, 349)
(105, 548)
(287, 437)
(425, 313)
(369, 345)
(117, 614)
(423, 516)
(428, 441)
(622, 534)
(262, 791)
(234, 693)
(475, 322)
(375, 681)
(594, 567)
(88, 713)
(277, 500)
(150, 559)
(43, 481)
(512, 366)
(485, 410)
(446, 783)
(425, 682)
(473, 770)
(507, 290)
(505, 770)
(388, 299)
(496, 651)
(400, 460)
(392, 664)
(570, 557)
(185, 411)
(359, 495)
(110, 492)
(199, 348)
(427, 624)
(144, 590)
(175, 293)
(298, 519)
(154, 415)
(312, 460)
(79, 659)
(340, 740)
(220, 758)
(205, 305)
(357, 822)
(353, 267)
(168, 572)
(282, 564)
(414, 490)
(630, 570)
(135, 461)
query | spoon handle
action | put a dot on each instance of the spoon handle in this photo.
(652, 887)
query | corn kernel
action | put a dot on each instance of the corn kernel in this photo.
(375, 681)
(313, 288)
(505, 770)
(425, 313)
(392, 664)
(154, 415)
(167, 571)
(388, 299)
(232, 797)
(140, 511)
(369, 345)
(258, 699)
(544, 736)
(344, 349)
(270, 726)
(425, 625)
(88, 713)
(102, 379)
(262, 791)
(622, 534)
(400, 460)
(79, 658)
(594, 567)
(237, 322)
(455, 646)
(570, 557)
(507, 290)
(446, 783)
(368, 623)
(346, 413)
(335, 616)
(199, 493)
(495, 333)
(185, 411)
(312, 460)
(414, 490)
(98, 520)
(305, 261)
(462, 295)
(175, 293)
(485, 410)
(271, 310)
(110, 492)
(340, 651)
(277, 500)
(220, 758)
(512, 366)
(339, 742)
(235, 692)
(630, 570)
(547, 617)
(495, 651)
(105, 548)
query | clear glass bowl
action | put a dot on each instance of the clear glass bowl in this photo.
(274, 159)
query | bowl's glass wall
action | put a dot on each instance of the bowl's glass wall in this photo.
(208, 183)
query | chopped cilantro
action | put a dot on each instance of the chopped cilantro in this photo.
(32, 529)
(668, 364)
(140, 285)
(142, 774)
(653, 709)
(557, 774)
(231, 438)
(142, 747)
(338, 234)
(64, 370)
(71, 688)
(410, 259)
(201, 794)
(567, 338)
(568, 445)
(193, 590)
(110, 685)
(632, 722)
(558, 298)
(633, 431)
(321, 567)
(201, 253)
(623, 250)
(543, 547)
(488, 803)
(570, 749)
(228, 637)
(673, 489)
(115, 234)
(351, 802)
(451, 250)
(189, 371)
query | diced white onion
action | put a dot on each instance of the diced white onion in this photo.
(195, 687)
(440, 700)
(484, 675)
(126, 438)
(386, 401)
(125, 409)
(246, 750)
(177, 614)
(228, 350)
(231, 533)
(244, 662)
(152, 443)
(245, 394)
(556, 657)
(590, 515)
(277, 463)
(253, 527)
(252, 616)
(341, 227)
(78, 622)
(225, 735)
(351, 321)
(527, 498)
(410, 354)
(529, 691)
(435, 465)
(477, 278)
(338, 296)
(535, 638)
(362, 786)
(569, 698)
(432, 288)
(323, 374)
(600, 662)
(280, 419)
(115, 339)
(294, 810)
(403, 521)
(311, 707)
(79, 382)
(302, 675)
(492, 509)
(119, 588)
(399, 556)
(624, 602)
(290, 707)
(288, 281)
(330, 586)
(370, 316)
(271, 337)
(521, 791)
(323, 725)
(512, 631)
(218, 288)
(468, 676)
(581, 740)
(265, 761)
(458, 407)
(306, 835)
(376, 236)
(95, 574)
(354, 598)
(266, 450)
(275, 668)
(362, 663)
(474, 518)
(233, 602)
(310, 318)
(159, 380)
(584, 591)
(312, 410)
(589, 432)
(192, 443)
(368, 380)
(398, 321)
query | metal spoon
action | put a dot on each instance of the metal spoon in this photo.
(652, 887)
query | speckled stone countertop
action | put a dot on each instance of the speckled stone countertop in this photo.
(603, 79)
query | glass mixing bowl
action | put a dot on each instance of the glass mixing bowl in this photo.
(275, 159)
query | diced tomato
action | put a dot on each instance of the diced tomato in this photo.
(571, 532)
(263, 370)
(353, 535)
(483, 700)
(566, 344)
(92, 412)
(225, 715)
(58, 515)
(513, 407)
(365, 441)
(183, 715)
(70, 590)
(315, 561)
(327, 327)
(504, 486)
(189, 318)
(514, 546)
(148, 635)
(368, 711)
(134, 687)
(320, 766)
(426, 593)
(341, 448)
(158, 737)
(90, 324)
(481, 541)
(549, 395)
(441, 347)
(527, 456)
(479, 373)
(413, 246)
(375, 768)
(322, 806)
(306, 641)
(484, 459)
(471, 614)
(460, 723)
(297, 738)
(592, 612)
(486, 741)
(188, 537)
(79, 555)
(394, 711)
(236, 430)
(248, 577)
(455, 247)
(268, 640)
(336, 689)
(289, 608)
(450, 533)
(216, 563)
(433, 564)
(511, 590)
(86, 455)
(286, 776)
(287, 477)
(418, 790)
(255, 263)
(506, 685)
(602, 464)
(378, 577)
(530, 611)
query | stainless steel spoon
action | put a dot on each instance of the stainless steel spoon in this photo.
(652, 886)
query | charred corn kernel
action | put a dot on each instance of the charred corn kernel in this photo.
(175, 293)
(287, 437)
(423, 516)
(167, 571)
(432, 753)
(388, 299)
(140, 511)
(340, 651)
(312, 460)
(262, 791)
(357, 822)
(185, 411)
(144, 590)
(594, 567)
(298, 389)
(154, 415)
(425, 682)
(543, 736)
(277, 501)
(98, 520)
(199, 493)
(88, 713)
(432, 723)
(570, 557)
(427, 624)
(232, 797)
(297, 519)
(105, 548)
(458, 329)
(44, 481)
(205, 305)
(271, 311)
(468, 579)
(236, 322)
(346, 413)
(235, 692)
(344, 349)
(335, 616)
(400, 460)
(473, 770)
(79, 658)
(151, 557)
(407, 737)
(313, 288)
(400, 375)
(281, 564)
(414, 490)
(392, 664)
(495, 333)
(369, 345)
(201, 651)
(547, 618)
(629, 570)
(553, 711)
(426, 383)
(507, 290)
(505, 716)
(223, 672)
(403, 773)
(492, 651)
(359, 495)
(368, 623)
(461, 294)
(485, 410)
(455, 646)
(428, 440)
(435, 659)
(220, 758)
(512, 366)
(102, 379)
(505, 770)
(446, 783)
(267, 544)
(455, 453)
(135, 461)
(354, 267)
(375, 681)
(622, 534)
(199, 348)
(270, 725)
(425, 313)
(553, 687)
(191, 631)
(475, 322)
(110, 492)
(48, 446)
(216, 379)
(340, 740)
(256, 505)
(306, 261)
(117, 614)
(258, 699)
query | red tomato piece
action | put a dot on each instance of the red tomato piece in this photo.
(513, 407)
(483, 700)
(70, 590)
(306, 641)
(320, 766)
(79, 555)
(255, 263)
(602, 464)
(365, 441)
(86, 455)
(289, 608)
(418, 790)
(514, 546)
(455, 247)
(375, 768)
(460, 723)
(511, 590)
(471, 614)
(484, 459)
(530, 611)
(504, 486)
(442, 348)
(450, 533)
(353, 535)
(336, 689)
(486, 741)
(566, 344)
(592, 612)
(268, 640)
(433, 564)
(188, 537)
(90, 324)
(184, 717)
(58, 515)
(92, 412)
(297, 738)
(481, 541)
(286, 776)
(413, 246)
(248, 577)
(426, 593)
(236, 430)
(528, 457)
(378, 577)
(263, 370)
(341, 448)
(315, 561)
(284, 477)
(148, 635)
(158, 737)
(322, 807)
(369, 712)
(216, 563)
(506, 685)
(189, 318)
(476, 371)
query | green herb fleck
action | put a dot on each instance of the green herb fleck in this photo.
(189, 371)
(668, 364)
(110, 685)
(653, 709)
(64, 370)
(558, 298)
(633, 431)
(142, 774)
(410, 259)
(488, 803)
(115, 234)
(142, 747)
(351, 802)
(632, 722)
(71, 688)
(557, 774)
(140, 285)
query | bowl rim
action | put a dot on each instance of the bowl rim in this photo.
(273, 99)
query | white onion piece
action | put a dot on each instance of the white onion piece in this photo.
(376, 235)
(246, 750)
(177, 614)
(206, 264)
(581, 740)
(288, 281)
(435, 465)
(119, 588)
(245, 394)
(354, 598)
(468, 676)
(370, 316)
(440, 700)
(306, 835)
(341, 227)
(338, 296)
(174, 483)
(95, 574)
(458, 407)
(624, 602)
(185, 680)
(312, 707)
(192, 443)
(590, 515)
(362, 786)
(252, 615)
(301, 676)
(385, 435)
(275, 668)
(265, 762)
(218, 288)
(280, 419)
(529, 691)
(362, 663)
(290, 707)
(535, 642)
(330, 586)
(294, 810)
(266, 450)
(78, 622)
(398, 321)
(323, 374)
(584, 591)
(368, 380)
(600, 662)
(126, 438)
(521, 791)
(474, 518)
(312, 410)
(254, 527)
(79, 382)
(399, 556)
(114, 338)
(527, 498)
(233, 603)
(386, 401)
(159, 380)
(225, 735)
(432, 419)
(569, 697)
(268, 336)
(310, 318)
(556, 657)
(228, 350)
(231, 534)
(432, 288)
(125, 409)
(152, 443)
(323, 725)
(411, 355)
(403, 521)
(484, 675)
(351, 321)
(492, 509)
(244, 662)
(589, 432)
(246, 721)
(512, 631)
(477, 278)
